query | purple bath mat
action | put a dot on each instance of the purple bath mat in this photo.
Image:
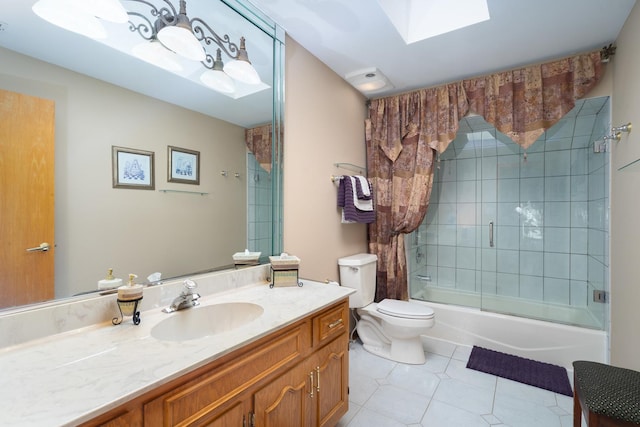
(538, 374)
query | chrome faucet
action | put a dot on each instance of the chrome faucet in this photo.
(187, 298)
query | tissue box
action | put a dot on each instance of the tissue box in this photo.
(284, 263)
(247, 258)
(287, 277)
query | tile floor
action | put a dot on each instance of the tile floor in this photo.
(444, 393)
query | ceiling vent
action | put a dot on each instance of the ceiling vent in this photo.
(369, 80)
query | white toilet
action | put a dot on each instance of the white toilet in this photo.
(390, 328)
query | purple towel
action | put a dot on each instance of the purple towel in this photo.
(341, 191)
(359, 191)
(349, 210)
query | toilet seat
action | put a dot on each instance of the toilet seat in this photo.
(404, 309)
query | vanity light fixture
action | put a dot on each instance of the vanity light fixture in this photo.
(216, 78)
(240, 68)
(177, 35)
(81, 16)
(167, 32)
(154, 52)
(188, 37)
(109, 10)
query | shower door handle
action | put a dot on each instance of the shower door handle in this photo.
(491, 234)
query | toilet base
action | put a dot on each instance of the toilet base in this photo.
(403, 351)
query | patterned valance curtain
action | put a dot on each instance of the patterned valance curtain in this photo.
(523, 103)
(404, 133)
(258, 141)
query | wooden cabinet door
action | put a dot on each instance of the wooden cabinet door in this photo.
(331, 366)
(286, 401)
(207, 394)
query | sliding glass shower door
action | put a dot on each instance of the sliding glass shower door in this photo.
(452, 255)
(519, 234)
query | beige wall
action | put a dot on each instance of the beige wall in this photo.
(133, 231)
(324, 125)
(625, 200)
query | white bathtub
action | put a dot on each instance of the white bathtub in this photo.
(538, 340)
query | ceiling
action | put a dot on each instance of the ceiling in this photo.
(351, 35)
(347, 35)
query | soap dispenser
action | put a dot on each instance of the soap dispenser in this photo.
(109, 282)
(129, 296)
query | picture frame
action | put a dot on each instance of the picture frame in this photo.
(183, 165)
(132, 168)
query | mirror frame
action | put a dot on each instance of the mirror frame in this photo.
(269, 27)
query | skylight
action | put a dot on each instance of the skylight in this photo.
(418, 20)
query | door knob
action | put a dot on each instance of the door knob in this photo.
(44, 247)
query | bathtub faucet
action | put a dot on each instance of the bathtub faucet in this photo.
(187, 298)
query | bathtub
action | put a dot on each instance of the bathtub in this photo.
(534, 339)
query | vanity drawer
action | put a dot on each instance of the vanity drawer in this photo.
(199, 397)
(331, 323)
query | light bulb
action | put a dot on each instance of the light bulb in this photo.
(218, 80)
(109, 10)
(242, 71)
(155, 53)
(70, 15)
(180, 39)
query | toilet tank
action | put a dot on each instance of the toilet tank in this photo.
(359, 272)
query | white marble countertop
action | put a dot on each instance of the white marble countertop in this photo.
(72, 377)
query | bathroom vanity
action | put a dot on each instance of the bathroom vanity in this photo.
(297, 376)
(287, 367)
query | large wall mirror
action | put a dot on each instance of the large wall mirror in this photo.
(105, 97)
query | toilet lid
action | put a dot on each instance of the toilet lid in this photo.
(404, 309)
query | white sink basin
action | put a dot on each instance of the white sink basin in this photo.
(198, 322)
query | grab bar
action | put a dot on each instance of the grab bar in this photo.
(491, 234)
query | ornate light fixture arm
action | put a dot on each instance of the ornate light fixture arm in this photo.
(146, 28)
(168, 10)
(205, 33)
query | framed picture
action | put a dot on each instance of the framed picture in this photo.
(184, 165)
(132, 168)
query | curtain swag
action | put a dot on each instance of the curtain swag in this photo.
(258, 141)
(404, 134)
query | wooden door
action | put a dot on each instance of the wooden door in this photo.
(26, 198)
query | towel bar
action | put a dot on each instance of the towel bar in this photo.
(351, 167)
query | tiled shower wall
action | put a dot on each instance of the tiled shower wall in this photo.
(259, 205)
(550, 214)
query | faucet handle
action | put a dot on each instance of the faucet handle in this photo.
(190, 284)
